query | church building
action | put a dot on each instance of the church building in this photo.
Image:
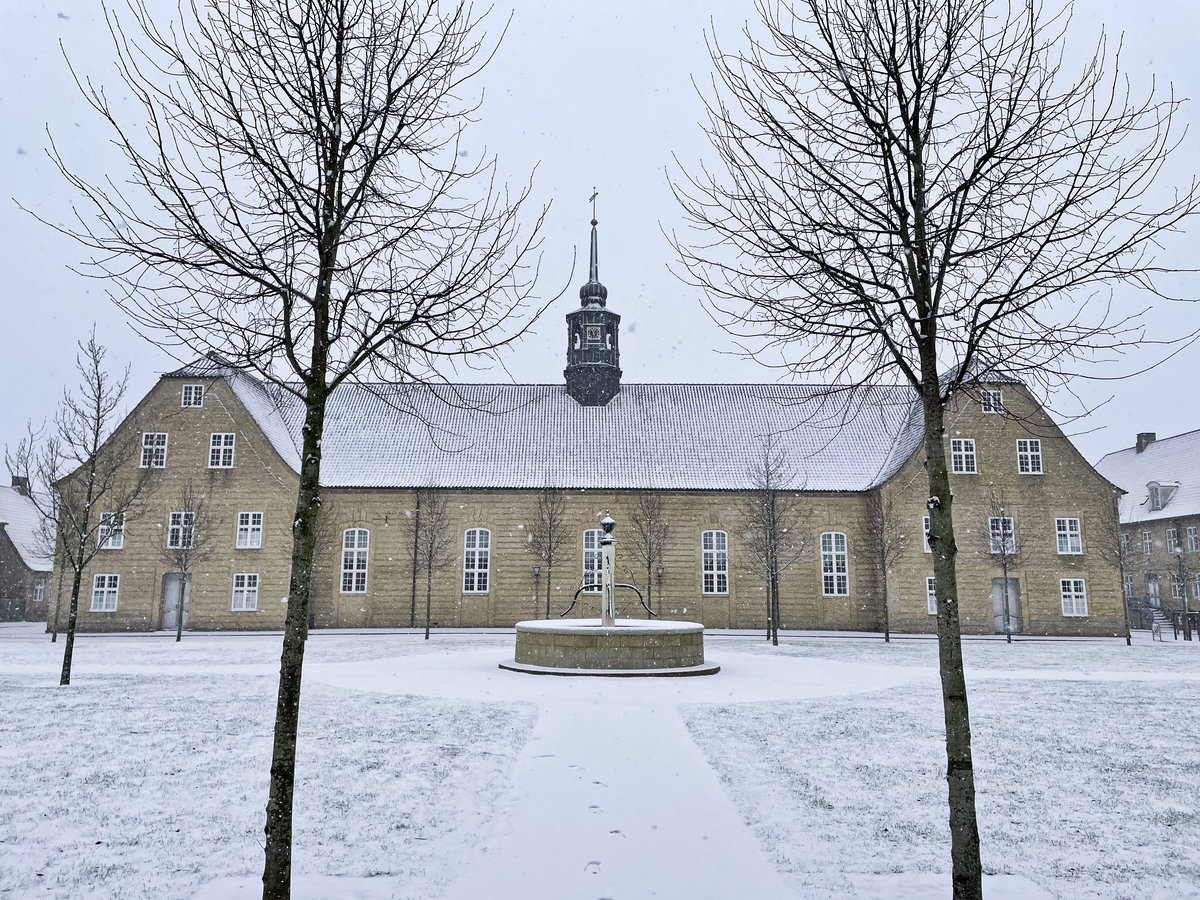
(499, 473)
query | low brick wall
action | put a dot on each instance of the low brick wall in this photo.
(585, 644)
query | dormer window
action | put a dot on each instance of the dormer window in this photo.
(1161, 493)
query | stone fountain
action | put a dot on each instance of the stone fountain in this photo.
(608, 645)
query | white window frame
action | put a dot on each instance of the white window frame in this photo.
(963, 459)
(110, 534)
(925, 534)
(477, 560)
(1126, 544)
(39, 590)
(1193, 539)
(714, 561)
(835, 564)
(1147, 542)
(154, 450)
(593, 559)
(1069, 536)
(1128, 587)
(221, 446)
(245, 592)
(1155, 495)
(1172, 540)
(1195, 580)
(1029, 456)
(105, 590)
(1074, 596)
(356, 547)
(931, 594)
(249, 531)
(1177, 587)
(998, 541)
(991, 402)
(192, 396)
(181, 525)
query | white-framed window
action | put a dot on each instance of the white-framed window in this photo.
(1172, 540)
(1003, 537)
(154, 449)
(245, 592)
(111, 535)
(1074, 596)
(962, 456)
(835, 569)
(714, 562)
(249, 530)
(925, 534)
(355, 544)
(1193, 539)
(1147, 542)
(931, 595)
(1156, 500)
(1195, 579)
(1176, 587)
(193, 395)
(992, 401)
(39, 590)
(1070, 538)
(1029, 456)
(477, 552)
(104, 592)
(1128, 587)
(181, 530)
(593, 559)
(1126, 545)
(220, 450)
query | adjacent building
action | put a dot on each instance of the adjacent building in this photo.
(24, 565)
(1159, 519)
(1031, 514)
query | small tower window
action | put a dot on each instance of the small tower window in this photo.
(608, 340)
(577, 342)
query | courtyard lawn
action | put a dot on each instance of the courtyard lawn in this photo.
(812, 769)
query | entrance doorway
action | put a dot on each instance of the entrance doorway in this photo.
(1006, 605)
(175, 584)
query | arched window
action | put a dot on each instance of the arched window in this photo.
(592, 559)
(355, 543)
(477, 552)
(835, 572)
(714, 562)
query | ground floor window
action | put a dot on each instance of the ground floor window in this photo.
(355, 543)
(39, 590)
(477, 544)
(245, 592)
(714, 562)
(1074, 597)
(593, 559)
(104, 592)
(931, 595)
(835, 572)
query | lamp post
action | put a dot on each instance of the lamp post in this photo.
(607, 572)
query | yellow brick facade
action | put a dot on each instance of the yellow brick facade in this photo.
(260, 481)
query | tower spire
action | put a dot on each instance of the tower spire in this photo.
(593, 291)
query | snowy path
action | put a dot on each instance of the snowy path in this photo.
(616, 801)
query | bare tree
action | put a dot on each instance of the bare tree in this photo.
(650, 532)
(298, 198)
(919, 189)
(432, 544)
(1115, 547)
(82, 480)
(888, 542)
(188, 541)
(1005, 543)
(548, 533)
(773, 525)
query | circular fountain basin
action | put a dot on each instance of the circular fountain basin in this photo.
(631, 647)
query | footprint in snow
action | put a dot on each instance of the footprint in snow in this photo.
(593, 867)
(595, 810)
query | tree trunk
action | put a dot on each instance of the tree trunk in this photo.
(179, 610)
(58, 602)
(883, 574)
(72, 618)
(412, 613)
(277, 870)
(967, 874)
(775, 609)
(428, 592)
(549, 570)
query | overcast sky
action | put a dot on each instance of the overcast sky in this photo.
(594, 94)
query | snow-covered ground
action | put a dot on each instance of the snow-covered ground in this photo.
(808, 770)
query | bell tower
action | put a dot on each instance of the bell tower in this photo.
(593, 369)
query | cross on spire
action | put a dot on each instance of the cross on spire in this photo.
(593, 199)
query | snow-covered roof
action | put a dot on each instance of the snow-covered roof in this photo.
(1167, 461)
(659, 436)
(22, 523)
